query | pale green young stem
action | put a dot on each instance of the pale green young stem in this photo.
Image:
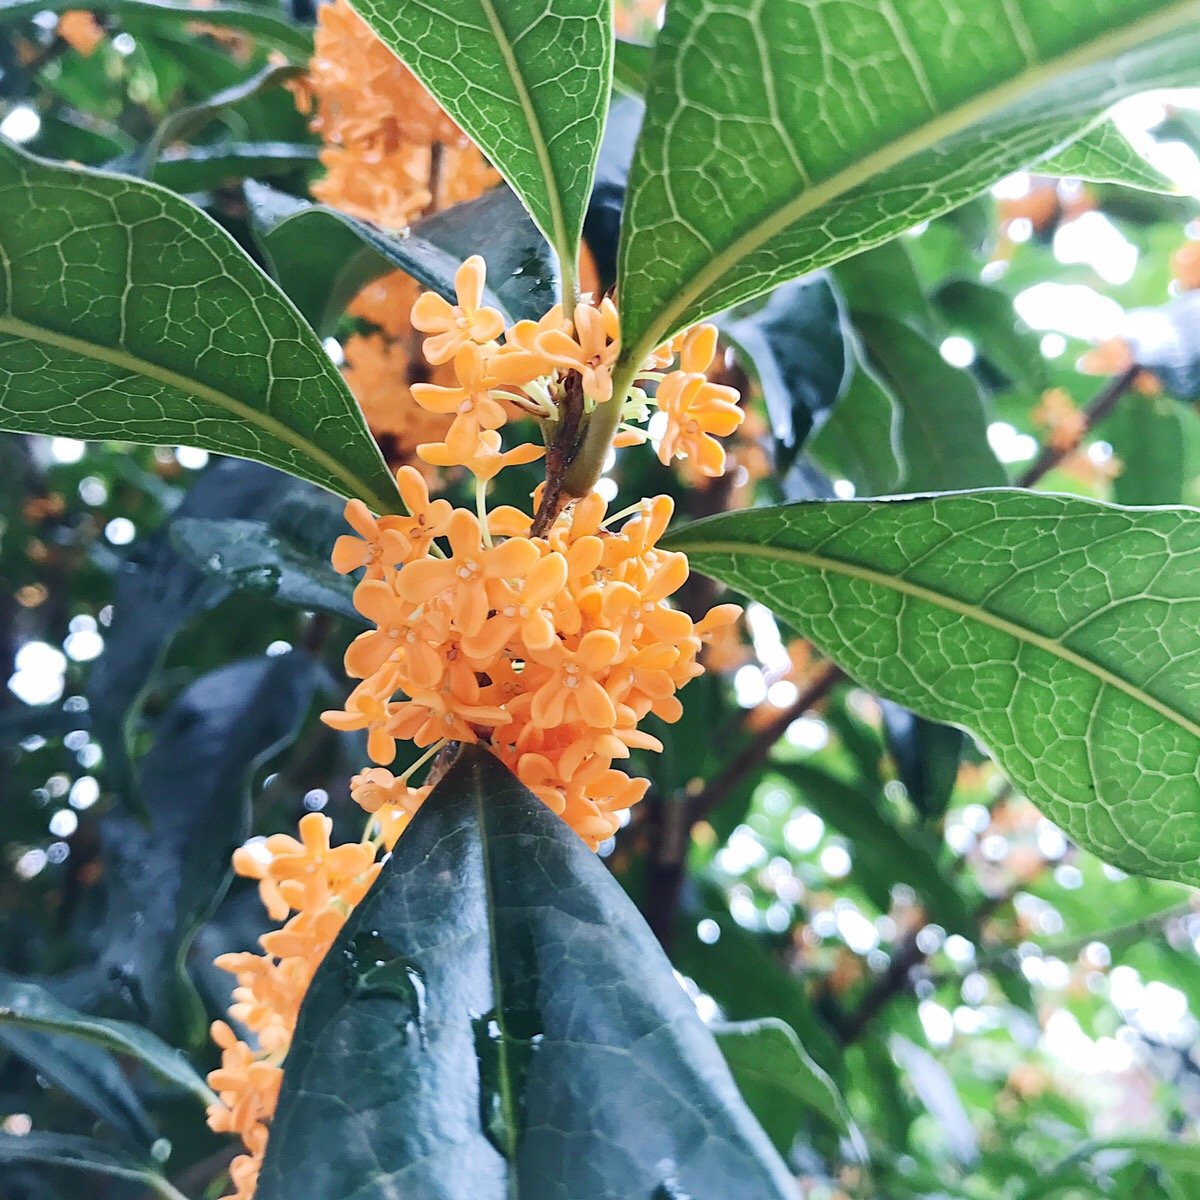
(600, 427)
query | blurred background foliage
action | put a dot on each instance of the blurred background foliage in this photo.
(990, 1013)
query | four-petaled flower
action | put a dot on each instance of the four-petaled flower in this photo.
(455, 325)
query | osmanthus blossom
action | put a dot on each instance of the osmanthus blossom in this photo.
(546, 635)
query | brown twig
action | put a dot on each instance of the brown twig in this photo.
(1095, 412)
(564, 445)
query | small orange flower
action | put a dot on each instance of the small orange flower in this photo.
(698, 412)
(380, 543)
(591, 351)
(454, 325)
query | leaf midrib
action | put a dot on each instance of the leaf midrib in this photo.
(541, 148)
(507, 1099)
(172, 379)
(942, 127)
(962, 608)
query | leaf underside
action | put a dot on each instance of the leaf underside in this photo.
(1060, 631)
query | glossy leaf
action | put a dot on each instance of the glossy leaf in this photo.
(537, 1044)
(196, 168)
(779, 1081)
(27, 1006)
(158, 591)
(164, 878)
(985, 314)
(258, 19)
(927, 757)
(796, 346)
(936, 1091)
(322, 257)
(860, 441)
(527, 80)
(252, 555)
(128, 314)
(83, 1154)
(746, 178)
(1057, 630)
(1104, 155)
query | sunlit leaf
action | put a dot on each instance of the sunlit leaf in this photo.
(1059, 631)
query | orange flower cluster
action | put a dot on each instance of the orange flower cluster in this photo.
(390, 152)
(548, 643)
(320, 884)
(548, 647)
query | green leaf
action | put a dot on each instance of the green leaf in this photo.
(322, 257)
(535, 1039)
(936, 1091)
(83, 1154)
(195, 168)
(796, 346)
(252, 555)
(186, 123)
(87, 1073)
(927, 758)
(164, 879)
(1104, 155)
(780, 1081)
(843, 125)
(126, 313)
(631, 66)
(1147, 435)
(28, 1006)
(258, 19)
(860, 441)
(528, 81)
(158, 591)
(1059, 631)
(943, 424)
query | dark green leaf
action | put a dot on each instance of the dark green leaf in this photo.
(83, 1154)
(155, 327)
(28, 1006)
(537, 1044)
(528, 81)
(796, 346)
(860, 440)
(197, 168)
(1058, 630)
(250, 554)
(186, 123)
(86, 1072)
(986, 316)
(1146, 434)
(943, 424)
(322, 257)
(779, 1080)
(157, 592)
(927, 756)
(165, 879)
(747, 177)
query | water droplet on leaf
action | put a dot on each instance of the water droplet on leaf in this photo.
(505, 1044)
(376, 970)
